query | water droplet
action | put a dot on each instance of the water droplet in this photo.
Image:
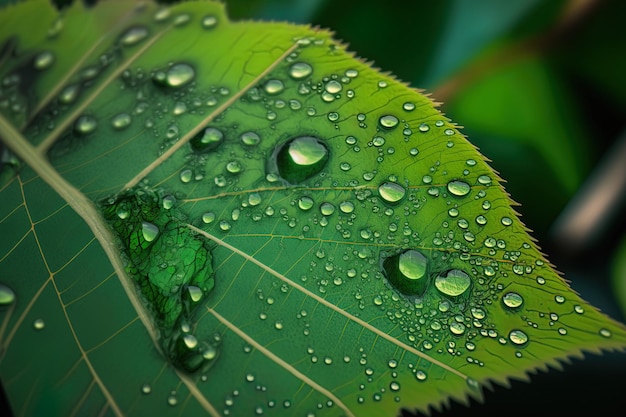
(121, 121)
(162, 15)
(394, 386)
(149, 231)
(7, 296)
(378, 141)
(273, 87)
(559, 299)
(43, 60)
(459, 188)
(346, 207)
(541, 280)
(208, 218)
(327, 209)
(391, 192)
(69, 94)
(421, 375)
(305, 203)
(512, 300)
(352, 73)
(579, 309)
(388, 121)
(206, 140)
(333, 86)
(605, 333)
(85, 125)
(134, 35)
(518, 337)
(408, 106)
(186, 175)
(250, 138)
(484, 180)
(300, 70)
(176, 76)
(39, 324)
(209, 21)
(181, 19)
(172, 400)
(457, 329)
(506, 221)
(454, 283)
(146, 389)
(407, 271)
(234, 167)
(301, 158)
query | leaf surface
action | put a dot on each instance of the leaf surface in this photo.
(208, 217)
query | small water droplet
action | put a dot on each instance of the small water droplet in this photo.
(186, 175)
(250, 138)
(208, 217)
(327, 209)
(605, 333)
(273, 87)
(421, 375)
(333, 86)
(559, 299)
(146, 389)
(85, 125)
(518, 337)
(453, 283)
(172, 400)
(7, 296)
(209, 22)
(182, 19)
(408, 106)
(459, 188)
(391, 192)
(69, 94)
(300, 70)
(301, 158)
(39, 324)
(134, 35)
(305, 203)
(120, 121)
(43, 60)
(388, 121)
(506, 221)
(206, 140)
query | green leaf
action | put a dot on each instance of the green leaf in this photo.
(238, 218)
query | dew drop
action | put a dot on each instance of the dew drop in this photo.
(346, 207)
(207, 140)
(605, 333)
(69, 94)
(518, 337)
(408, 106)
(391, 192)
(7, 296)
(421, 375)
(506, 221)
(149, 231)
(134, 35)
(327, 209)
(186, 175)
(388, 121)
(454, 283)
(273, 87)
(301, 158)
(250, 138)
(559, 299)
(43, 60)
(512, 300)
(208, 217)
(407, 271)
(305, 203)
(120, 121)
(39, 324)
(233, 167)
(172, 400)
(85, 125)
(176, 76)
(457, 329)
(333, 86)
(300, 70)
(459, 188)
(146, 389)
(209, 22)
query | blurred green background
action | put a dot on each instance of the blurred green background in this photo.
(540, 89)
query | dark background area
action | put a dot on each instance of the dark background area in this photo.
(539, 87)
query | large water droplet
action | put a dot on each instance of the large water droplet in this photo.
(176, 76)
(333, 86)
(85, 125)
(407, 271)
(209, 21)
(459, 188)
(453, 283)
(149, 231)
(300, 70)
(301, 158)
(388, 121)
(273, 87)
(207, 140)
(133, 35)
(7, 296)
(43, 60)
(391, 192)
(518, 337)
(121, 120)
(512, 300)
(250, 138)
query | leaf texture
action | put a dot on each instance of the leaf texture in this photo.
(204, 217)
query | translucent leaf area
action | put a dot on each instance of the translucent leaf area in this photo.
(202, 217)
